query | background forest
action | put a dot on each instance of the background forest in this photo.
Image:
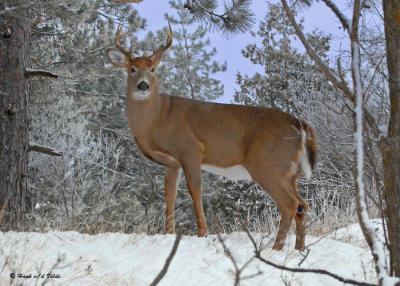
(60, 96)
(102, 182)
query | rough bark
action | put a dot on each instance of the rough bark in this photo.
(14, 95)
(391, 144)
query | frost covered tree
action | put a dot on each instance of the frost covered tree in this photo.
(80, 114)
(355, 83)
(291, 82)
(70, 38)
(284, 66)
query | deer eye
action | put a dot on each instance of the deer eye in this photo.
(153, 69)
(133, 70)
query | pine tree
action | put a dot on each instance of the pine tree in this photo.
(284, 66)
(190, 66)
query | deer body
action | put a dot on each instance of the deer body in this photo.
(240, 142)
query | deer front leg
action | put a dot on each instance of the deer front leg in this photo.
(192, 170)
(172, 177)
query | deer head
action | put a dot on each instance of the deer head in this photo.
(142, 78)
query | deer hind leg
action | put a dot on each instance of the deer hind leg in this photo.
(192, 170)
(300, 217)
(286, 202)
(172, 177)
(287, 208)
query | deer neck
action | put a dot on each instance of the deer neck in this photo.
(143, 113)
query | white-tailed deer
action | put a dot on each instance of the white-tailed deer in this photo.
(240, 142)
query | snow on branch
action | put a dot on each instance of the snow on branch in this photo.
(43, 149)
(367, 227)
(32, 72)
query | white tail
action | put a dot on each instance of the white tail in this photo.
(240, 142)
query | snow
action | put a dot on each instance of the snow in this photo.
(136, 259)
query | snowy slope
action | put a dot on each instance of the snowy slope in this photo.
(136, 259)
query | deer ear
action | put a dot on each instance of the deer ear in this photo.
(117, 58)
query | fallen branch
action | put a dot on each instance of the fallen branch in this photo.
(32, 72)
(257, 252)
(169, 258)
(43, 149)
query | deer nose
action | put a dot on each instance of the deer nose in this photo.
(143, 86)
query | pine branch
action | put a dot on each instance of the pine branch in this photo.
(236, 17)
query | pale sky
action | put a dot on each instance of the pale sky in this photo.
(229, 50)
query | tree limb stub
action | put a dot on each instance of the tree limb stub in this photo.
(43, 149)
(44, 73)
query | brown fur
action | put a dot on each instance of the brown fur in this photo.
(181, 133)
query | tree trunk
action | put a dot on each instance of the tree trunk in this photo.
(391, 144)
(14, 95)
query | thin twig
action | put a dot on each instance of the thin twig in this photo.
(257, 252)
(169, 258)
(238, 270)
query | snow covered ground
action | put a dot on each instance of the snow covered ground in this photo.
(136, 259)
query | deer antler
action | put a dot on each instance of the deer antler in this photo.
(118, 38)
(160, 51)
(170, 37)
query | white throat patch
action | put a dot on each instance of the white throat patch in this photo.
(141, 95)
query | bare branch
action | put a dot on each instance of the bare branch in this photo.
(345, 22)
(229, 254)
(43, 149)
(257, 252)
(238, 270)
(169, 258)
(324, 68)
(336, 80)
(32, 72)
